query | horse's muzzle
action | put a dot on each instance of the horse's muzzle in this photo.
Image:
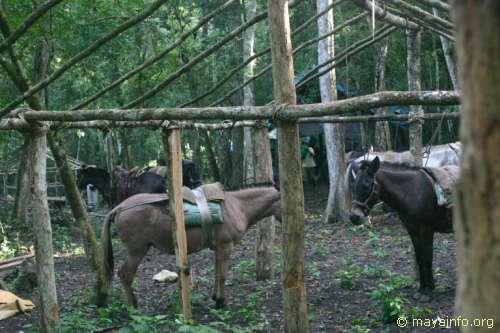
(356, 216)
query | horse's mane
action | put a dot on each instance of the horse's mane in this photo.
(247, 186)
(393, 165)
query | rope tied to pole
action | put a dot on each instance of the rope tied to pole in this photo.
(278, 110)
(417, 116)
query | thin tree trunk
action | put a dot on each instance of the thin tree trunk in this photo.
(292, 191)
(23, 191)
(413, 42)
(42, 231)
(477, 212)
(257, 159)
(236, 155)
(212, 160)
(20, 211)
(248, 98)
(382, 132)
(447, 47)
(197, 158)
(75, 201)
(336, 207)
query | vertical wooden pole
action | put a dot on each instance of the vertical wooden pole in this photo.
(292, 193)
(173, 159)
(42, 230)
(413, 42)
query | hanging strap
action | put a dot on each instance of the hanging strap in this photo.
(206, 218)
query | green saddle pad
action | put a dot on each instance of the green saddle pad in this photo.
(192, 216)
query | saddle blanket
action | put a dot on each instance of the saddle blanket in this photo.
(445, 178)
(192, 214)
(193, 217)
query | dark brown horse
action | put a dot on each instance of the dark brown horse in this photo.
(91, 175)
(130, 182)
(409, 191)
(141, 225)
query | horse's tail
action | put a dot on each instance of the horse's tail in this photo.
(107, 247)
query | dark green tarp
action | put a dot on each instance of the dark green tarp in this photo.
(192, 216)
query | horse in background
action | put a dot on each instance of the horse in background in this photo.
(99, 178)
(436, 156)
(130, 182)
(151, 179)
(191, 173)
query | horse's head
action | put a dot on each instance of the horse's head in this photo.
(191, 174)
(82, 177)
(364, 190)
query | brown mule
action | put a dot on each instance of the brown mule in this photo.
(149, 224)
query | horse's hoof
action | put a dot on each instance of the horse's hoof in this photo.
(220, 303)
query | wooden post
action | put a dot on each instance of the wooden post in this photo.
(173, 159)
(292, 192)
(42, 230)
(413, 42)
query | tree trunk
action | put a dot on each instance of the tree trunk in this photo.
(75, 201)
(413, 42)
(477, 212)
(382, 132)
(248, 98)
(336, 207)
(212, 160)
(236, 155)
(23, 190)
(257, 159)
(197, 158)
(224, 156)
(447, 47)
(292, 191)
(42, 231)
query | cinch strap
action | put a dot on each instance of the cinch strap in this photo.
(206, 218)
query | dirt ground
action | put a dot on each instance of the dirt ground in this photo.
(354, 276)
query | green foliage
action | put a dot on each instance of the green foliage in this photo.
(347, 275)
(390, 301)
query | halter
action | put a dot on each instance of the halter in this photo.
(373, 195)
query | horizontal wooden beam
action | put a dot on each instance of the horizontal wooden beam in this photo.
(392, 117)
(282, 112)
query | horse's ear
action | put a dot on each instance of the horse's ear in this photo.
(374, 165)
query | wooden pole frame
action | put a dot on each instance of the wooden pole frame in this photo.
(292, 194)
(173, 158)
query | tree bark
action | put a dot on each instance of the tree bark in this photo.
(476, 212)
(197, 158)
(292, 192)
(382, 132)
(413, 42)
(42, 231)
(257, 159)
(448, 56)
(336, 207)
(75, 201)
(212, 160)
(23, 190)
